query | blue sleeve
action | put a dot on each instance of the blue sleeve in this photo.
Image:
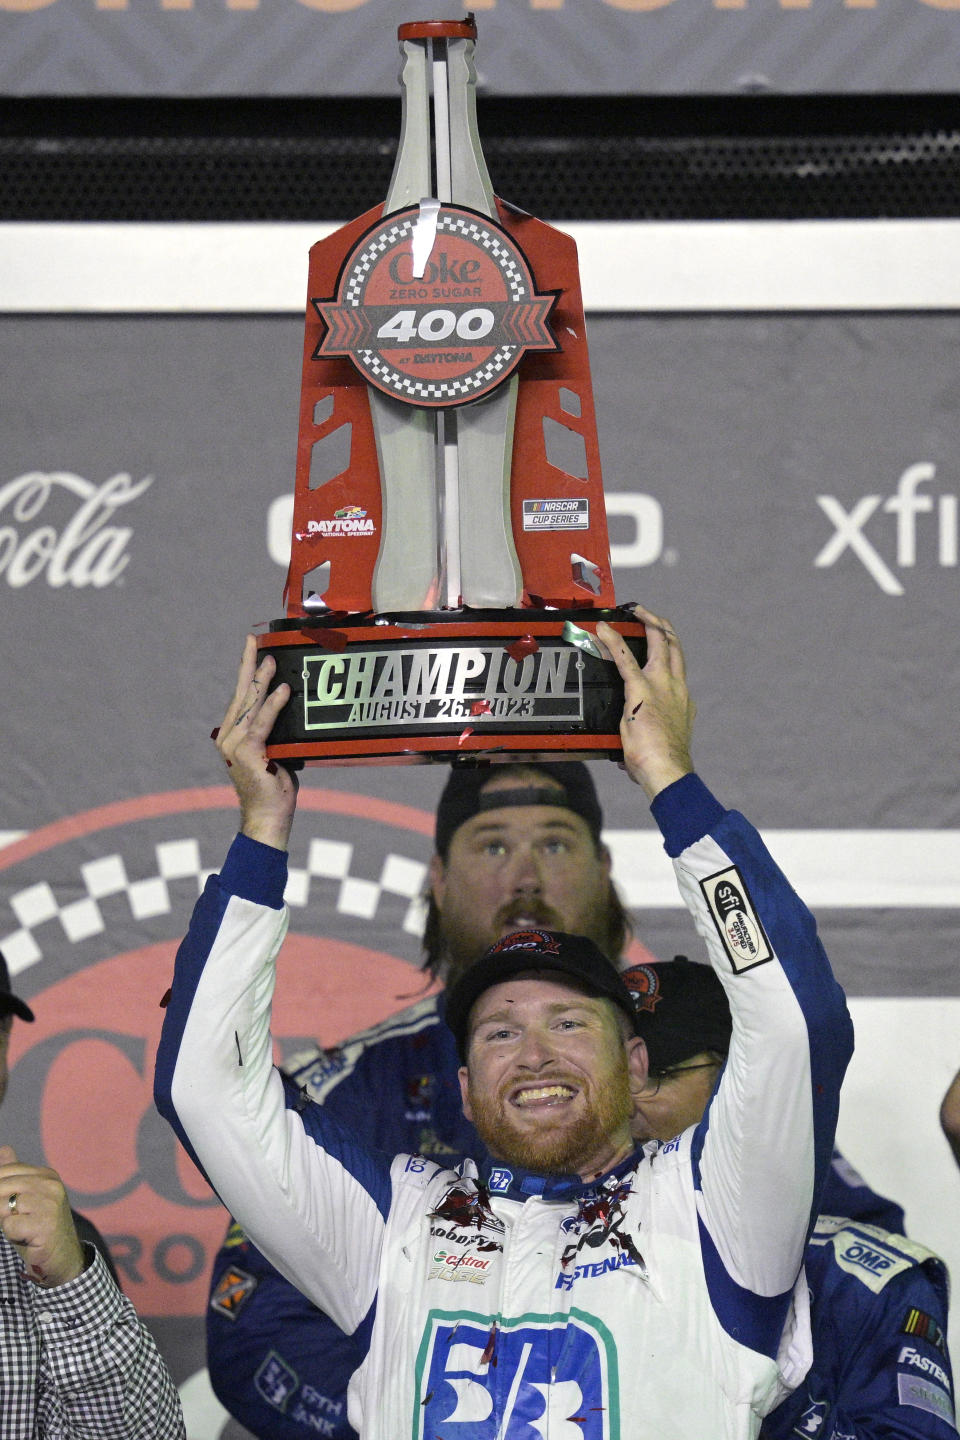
(282, 1168)
(251, 871)
(278, 1364)
(760, 1155)
(881, 1369)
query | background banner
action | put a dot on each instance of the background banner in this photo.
(783, 486)
(529, 47)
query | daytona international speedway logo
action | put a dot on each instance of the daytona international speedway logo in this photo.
(436, 306)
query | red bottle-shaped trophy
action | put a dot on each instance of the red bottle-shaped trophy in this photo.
(449, 558)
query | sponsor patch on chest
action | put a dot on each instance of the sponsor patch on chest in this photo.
(537, 1376)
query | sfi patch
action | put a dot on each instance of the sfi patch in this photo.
(232, 1291)
(737, 922)
(436, 306)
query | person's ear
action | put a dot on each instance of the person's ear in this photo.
(438, 880)
(606, 860)
(464, 1078)
(638, 1064)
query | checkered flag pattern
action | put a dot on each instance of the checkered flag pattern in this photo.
(386, 239)
(437, 390)
(81, 916)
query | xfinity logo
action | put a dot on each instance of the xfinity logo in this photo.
(905, 505)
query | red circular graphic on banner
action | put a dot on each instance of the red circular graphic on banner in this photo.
(436, 306)
(82, 1074)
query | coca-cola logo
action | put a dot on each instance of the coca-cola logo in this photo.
(92, 909)
(58, 525)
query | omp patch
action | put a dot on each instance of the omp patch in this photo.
(232, 1291)
(873, 1255)
(873, 1262)
(737, 922)
(275, 1381)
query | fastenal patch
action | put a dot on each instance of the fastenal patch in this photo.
(738, 924)
(435, 307)
(556, 514)
(439, 685)
(232, 1291)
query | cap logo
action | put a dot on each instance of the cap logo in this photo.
(643, 982)
(527, 940)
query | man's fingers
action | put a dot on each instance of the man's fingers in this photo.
(254, 712)
(248, 665)
(663, 646)
(619, 651)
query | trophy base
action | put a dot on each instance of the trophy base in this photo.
(490, 685)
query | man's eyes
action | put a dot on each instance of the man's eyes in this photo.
(553, 846)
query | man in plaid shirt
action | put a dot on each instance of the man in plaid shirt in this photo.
(75, 1361)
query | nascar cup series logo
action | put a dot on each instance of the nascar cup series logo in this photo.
(436, 306)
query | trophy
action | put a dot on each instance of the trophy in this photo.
(449, 558)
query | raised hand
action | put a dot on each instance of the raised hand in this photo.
(267, 791)
(657, 723)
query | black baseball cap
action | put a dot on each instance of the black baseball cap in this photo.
(551, 951)
(11, 1004)
(463, 795)
(681, 1009)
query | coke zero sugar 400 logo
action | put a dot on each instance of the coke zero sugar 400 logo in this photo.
(436, 306)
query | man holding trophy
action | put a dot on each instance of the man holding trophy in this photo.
(625, 1293)
(449, 597)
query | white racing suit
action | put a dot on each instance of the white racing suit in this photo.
(659, 1303)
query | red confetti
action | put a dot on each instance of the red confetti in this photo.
(465, 735)
(165, 999)
(487, 1356)
(214, 732)
(545, 602)
(521, 648)
(271, 767)
(481, 707)
(331, 639)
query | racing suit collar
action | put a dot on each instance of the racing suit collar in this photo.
(520, 1184)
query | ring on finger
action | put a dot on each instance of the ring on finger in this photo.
(12, 1203)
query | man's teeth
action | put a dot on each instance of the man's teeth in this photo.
(531, 1095)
